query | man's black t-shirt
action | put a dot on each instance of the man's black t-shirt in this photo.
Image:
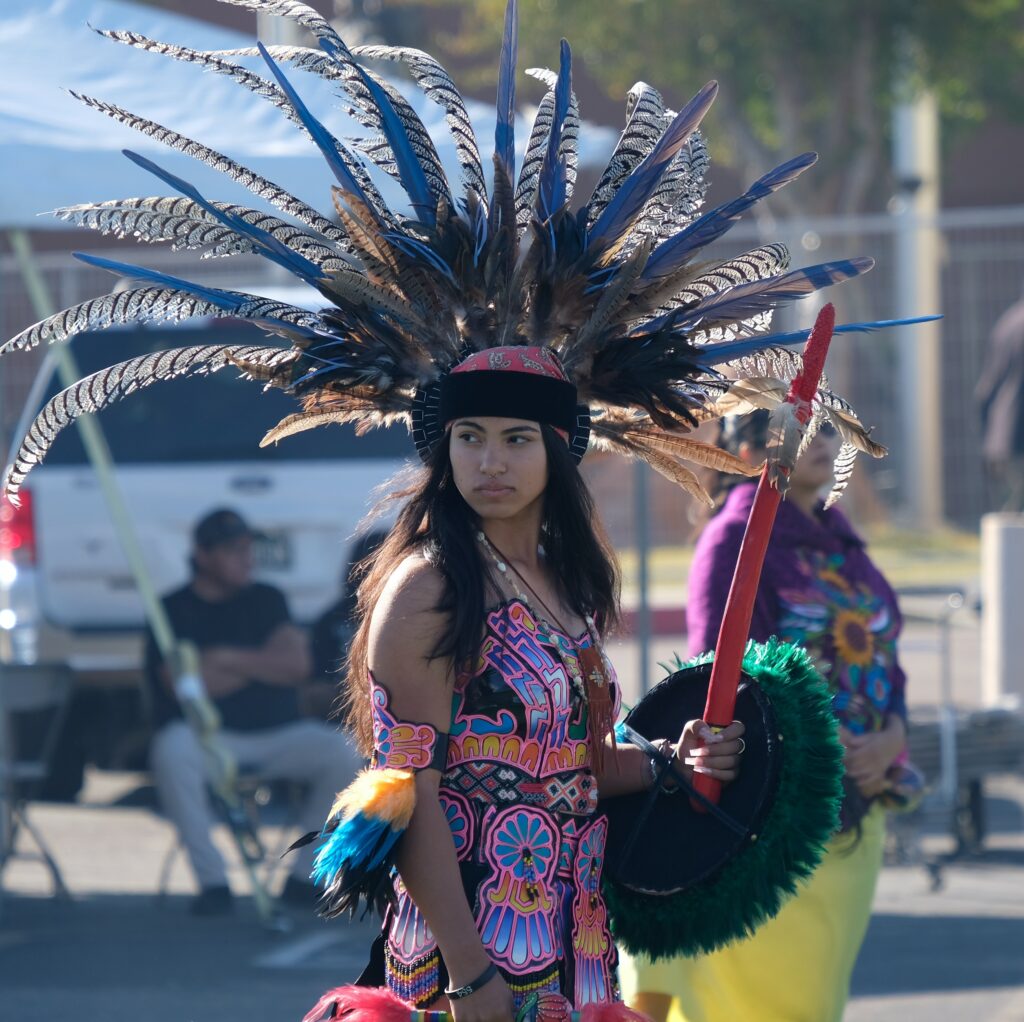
(246, 619)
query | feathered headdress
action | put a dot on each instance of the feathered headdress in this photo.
(651, 336)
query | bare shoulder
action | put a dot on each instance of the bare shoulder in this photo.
(406, 626)
(412, 593)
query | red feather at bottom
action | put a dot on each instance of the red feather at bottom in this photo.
(375, 1004)
(360, 1004)
(612, 1013)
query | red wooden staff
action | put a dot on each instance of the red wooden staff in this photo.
(739, 607)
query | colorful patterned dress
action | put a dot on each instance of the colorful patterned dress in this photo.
(521, 801)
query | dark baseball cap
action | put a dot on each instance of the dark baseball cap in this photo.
(221, 526)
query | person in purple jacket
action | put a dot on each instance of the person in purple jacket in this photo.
(820, 589)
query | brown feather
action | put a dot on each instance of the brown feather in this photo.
(853, 433)
(751, 394)
(697, 451)
(666, 465)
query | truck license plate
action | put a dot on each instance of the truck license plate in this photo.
(272, 550)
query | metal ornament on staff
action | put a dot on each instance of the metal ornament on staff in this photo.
(688, 875)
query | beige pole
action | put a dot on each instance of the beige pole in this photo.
(182, 657)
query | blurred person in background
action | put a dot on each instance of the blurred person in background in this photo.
(333, 630)
(1000, 395)
(820, 589)
(253, 659)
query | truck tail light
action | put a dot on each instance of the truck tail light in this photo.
(18, 530)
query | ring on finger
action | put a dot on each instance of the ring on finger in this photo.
(743, 747)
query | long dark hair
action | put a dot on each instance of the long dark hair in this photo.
(438, 522)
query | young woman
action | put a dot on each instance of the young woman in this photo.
(478, 670)
(819, 589)
(482, 628)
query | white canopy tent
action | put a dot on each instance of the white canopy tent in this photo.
(57, 152)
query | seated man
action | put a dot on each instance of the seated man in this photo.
(252, 659)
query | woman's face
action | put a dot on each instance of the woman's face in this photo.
(499, 465)
(813, 468)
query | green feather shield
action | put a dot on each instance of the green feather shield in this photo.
(683, 880)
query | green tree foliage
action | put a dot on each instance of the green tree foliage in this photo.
(795, 74)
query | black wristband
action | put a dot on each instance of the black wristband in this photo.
(471, 988)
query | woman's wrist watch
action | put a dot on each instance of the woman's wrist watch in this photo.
(471, 988)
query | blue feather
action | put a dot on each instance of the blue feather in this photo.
(746, 300)
(229, 301)
(601, 277)
(360, 842)
(634, 192)
(676, 251)
(265, 242)
(551, 180)
(410, 171)
(479, 231)
(225, 300)
(715, 354)
(505, 125)
(334, 152)
(419, 250)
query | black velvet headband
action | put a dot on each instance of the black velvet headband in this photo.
(515, 395)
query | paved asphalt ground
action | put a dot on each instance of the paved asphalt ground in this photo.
(114, 953)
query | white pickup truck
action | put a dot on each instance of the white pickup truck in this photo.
(180, 450)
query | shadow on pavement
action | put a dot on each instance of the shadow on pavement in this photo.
(121, 958)
(906, 954)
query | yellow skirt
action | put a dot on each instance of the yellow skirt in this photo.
(797, 966)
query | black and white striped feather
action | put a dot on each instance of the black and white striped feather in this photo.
(680, 195)
(186, 225)
(568, 147)
(148, 304)
(439, 88)
(255, 183)
(104, 388)
(645, 124)
(529, 173)
(376, 149)
(210, 61)
(842, 472)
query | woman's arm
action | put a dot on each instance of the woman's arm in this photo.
(404, 631)
(699, 749)
(869, 756)
(283, 659)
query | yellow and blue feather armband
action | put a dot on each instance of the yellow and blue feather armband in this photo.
(366, 822)
(368, 818)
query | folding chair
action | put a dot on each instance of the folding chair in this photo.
(255, 792)
(34, 700)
